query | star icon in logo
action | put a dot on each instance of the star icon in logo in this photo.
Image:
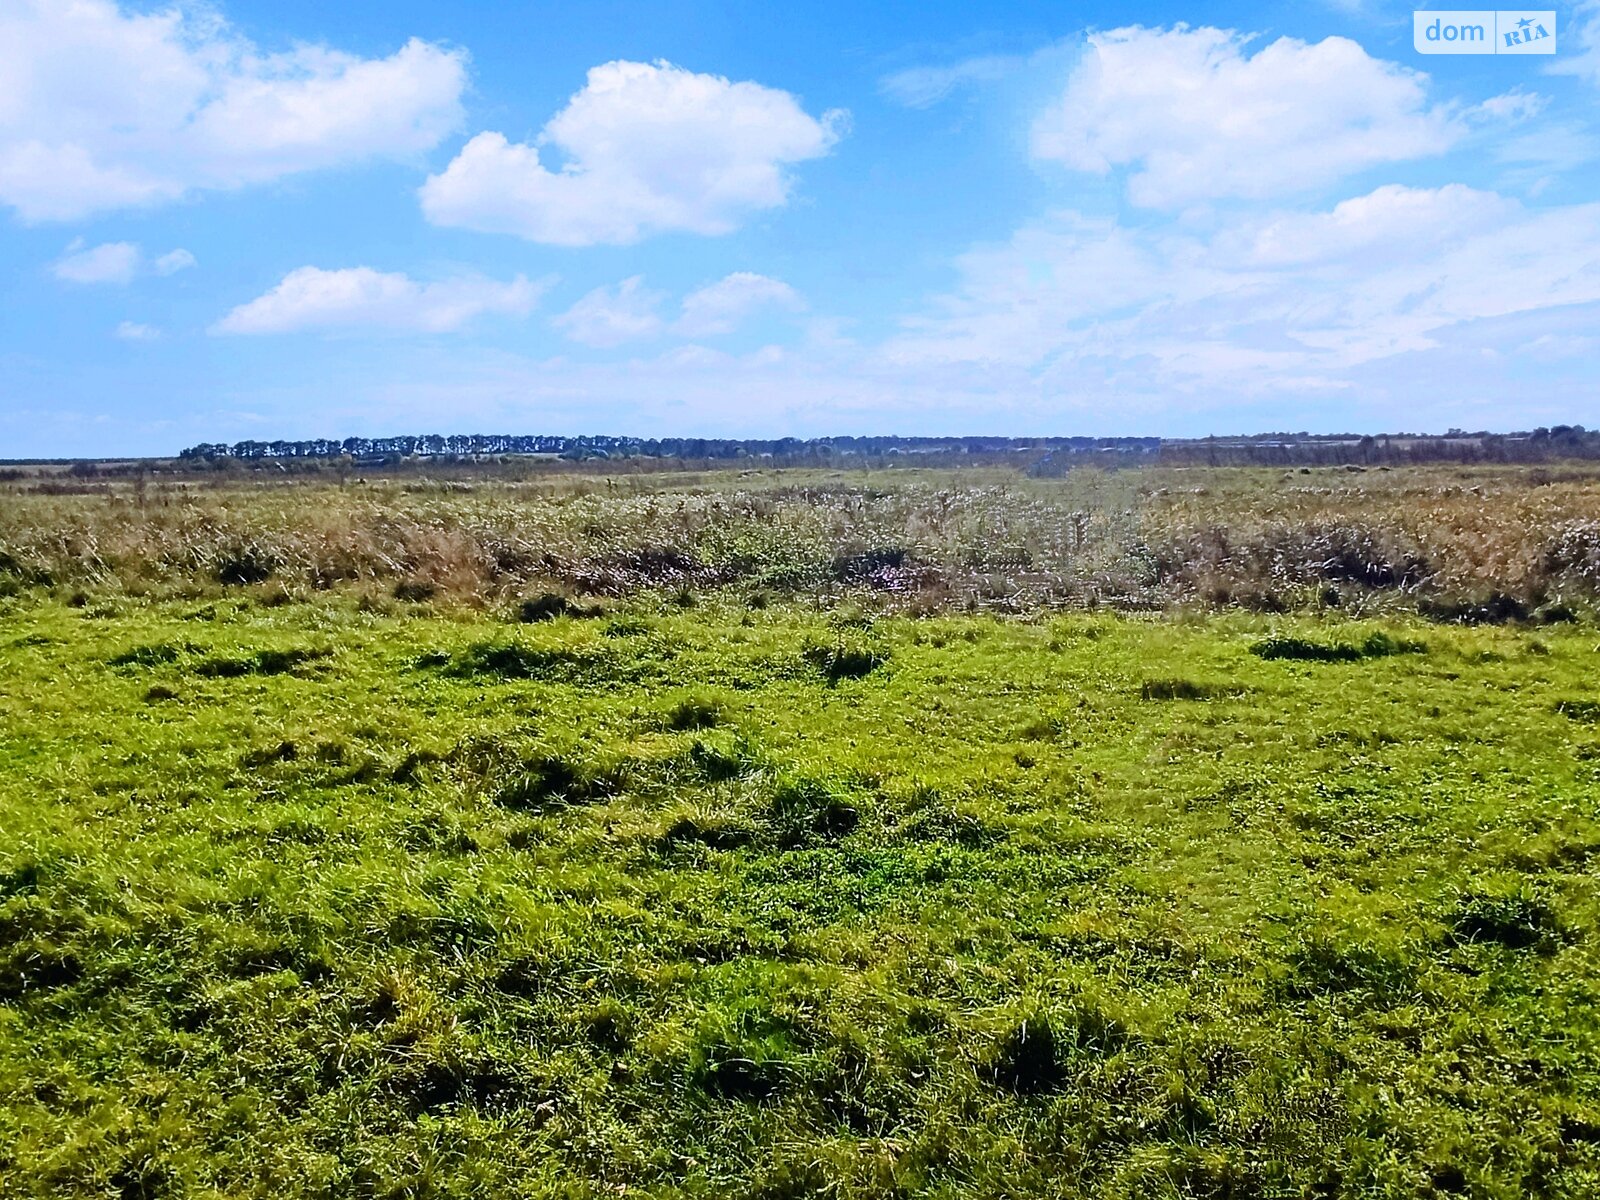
(1524, 23)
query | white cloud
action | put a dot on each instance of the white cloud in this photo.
(133, 331)
(112, 262)
(719, 307)
(923, 87)
(174, 261)
(364, 300)
(1193, 117)
(103, 109)
(608, 317)
(1511, 107)
(1266, 305)
(643, 148)
(1583, 34)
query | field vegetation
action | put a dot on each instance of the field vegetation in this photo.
(1463, 543)
(1140, 834)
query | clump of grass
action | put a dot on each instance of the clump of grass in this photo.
(552, 780)
(1046, 727)
(547, 606)
(416, 591)
(845, 660)
(715, 761)
(244, 563)
(716, 830)
(262, 662)
(1518, 919)
(1586, 712)
(609, 1024)
(695, 712)
(285, 751)
(1033, 1055)
(1178, 689)
(513, 660)
(803, 809)
(154, 655)
(1376, 645)
(1329, 964)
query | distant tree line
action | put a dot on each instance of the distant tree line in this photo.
(1043, 455)
(1390, 449)
(593, 446)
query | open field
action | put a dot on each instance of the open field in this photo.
(1263, 539)
(829, 835)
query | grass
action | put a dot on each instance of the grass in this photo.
(334, 898)
(1460, 545)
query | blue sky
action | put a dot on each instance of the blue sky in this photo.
(287, 219)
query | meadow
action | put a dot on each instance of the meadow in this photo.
(857, 834)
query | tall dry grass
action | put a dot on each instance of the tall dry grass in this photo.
(1452, 537)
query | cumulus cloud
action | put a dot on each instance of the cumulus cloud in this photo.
(114, 262)
(719, 307)
(1267, 304)
(360, 299)
(102, 108)
(643, 148)
(1192, 116)
(610, 316)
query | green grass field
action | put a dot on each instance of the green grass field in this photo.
(710, 899)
